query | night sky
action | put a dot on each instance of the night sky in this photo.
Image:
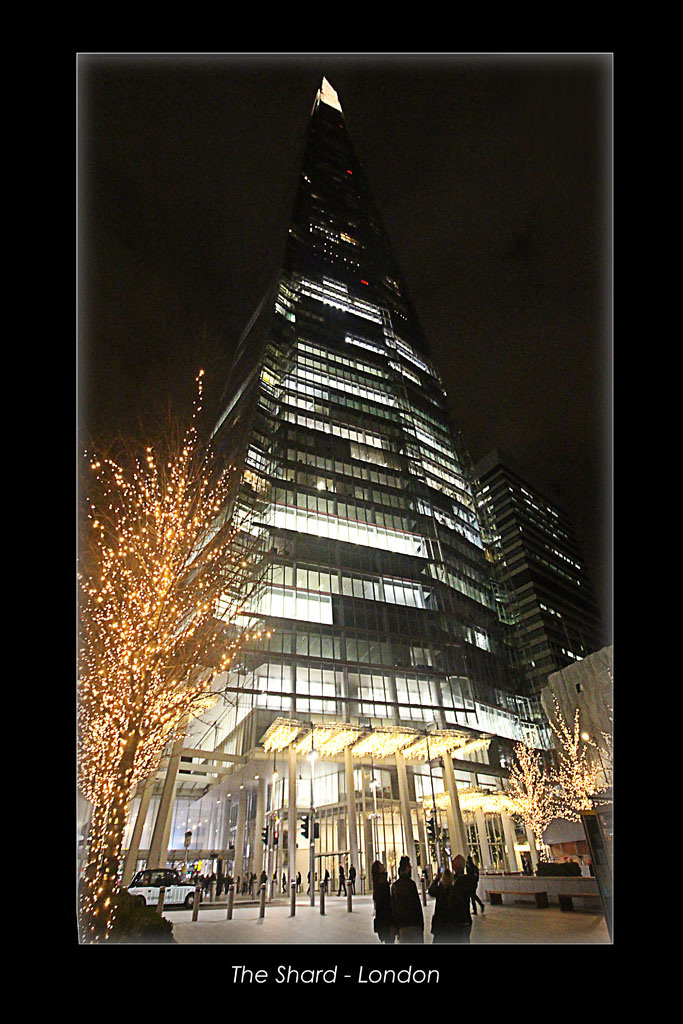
(492, 176)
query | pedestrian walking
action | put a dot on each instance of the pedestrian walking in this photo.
(284, 882)
(446, 917)
(472, 872)
(263, 880)
(308, 876)
(383, 923)
(352, 879)
(462, 895)
(342, 881)
(326, 880)
(298, 881)
(406, 905)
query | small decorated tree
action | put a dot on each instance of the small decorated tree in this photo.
(576, 778)
(531, 791)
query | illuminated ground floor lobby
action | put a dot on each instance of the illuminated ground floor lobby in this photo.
(360, 795)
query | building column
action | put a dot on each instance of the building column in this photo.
(291, 807)
(456, 825)
(238, 863)
(422, 839)
(158, 848)
(405, 812)
(134, 846)
(480, 820)
(351, 811)
(509, 833)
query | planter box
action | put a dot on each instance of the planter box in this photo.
(527, 885)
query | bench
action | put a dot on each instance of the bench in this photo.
(496, 896)
(567, 899)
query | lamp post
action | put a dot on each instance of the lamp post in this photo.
(374, 785)
(311, 859)
(188, 840)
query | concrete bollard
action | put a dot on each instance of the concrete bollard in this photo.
(424, 891)
(262, 903)
(212, 892)
(292, 899)
(323, 891)
(231, 900)
(195, 905)
(160, 904)
(349, 900)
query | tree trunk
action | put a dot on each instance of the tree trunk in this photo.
(105, 839)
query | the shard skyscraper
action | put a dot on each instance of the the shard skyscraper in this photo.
(388, 627)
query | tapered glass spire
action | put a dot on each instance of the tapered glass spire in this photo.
(378, 588)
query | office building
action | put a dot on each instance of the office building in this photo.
(554, 609)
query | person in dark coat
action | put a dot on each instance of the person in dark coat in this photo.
(462, 895)
(326, 881)
(342, 881)
(352, 878)
(472, 872)
(406, 906)
(383, 923)
(446, 918)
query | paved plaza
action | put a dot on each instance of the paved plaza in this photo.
(515, 923)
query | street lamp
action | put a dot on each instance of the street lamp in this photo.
(374, 786)
(311, 858)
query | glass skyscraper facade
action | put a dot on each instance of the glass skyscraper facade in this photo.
(557, 616)
(377, 589)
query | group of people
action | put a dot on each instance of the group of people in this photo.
(398, 909)
(284, 881)
(243, 886)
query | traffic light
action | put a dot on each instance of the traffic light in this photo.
(304, 826)
(275, 838)
(264, 836)
(431, 829)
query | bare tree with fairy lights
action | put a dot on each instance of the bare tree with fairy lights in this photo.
(531, 791)
(167, 564)
(576, 777)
